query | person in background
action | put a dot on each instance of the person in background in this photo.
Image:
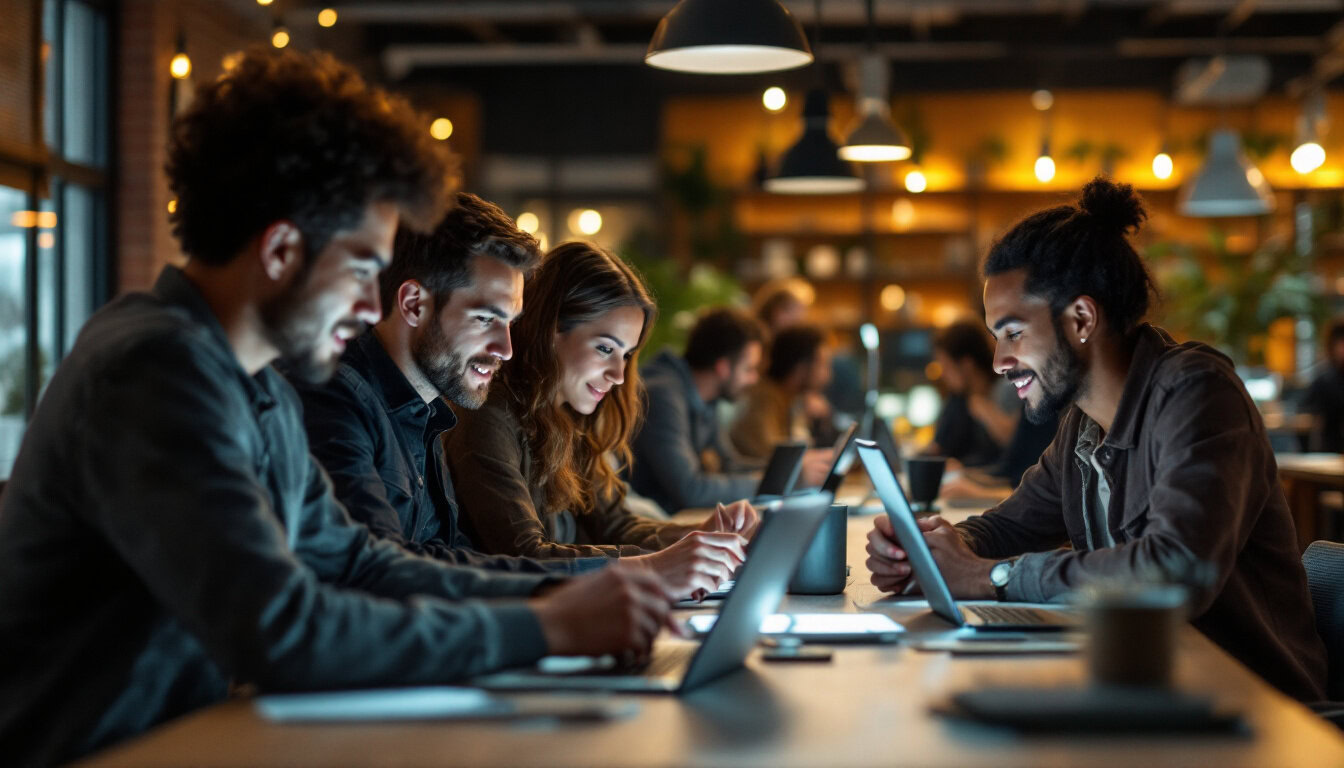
(1161, 469)
(773, 412)
(679, 460)
(782, 304)
(981, 411)
(532, 466)
(165, 534)
(1324, 399)
(449, 298)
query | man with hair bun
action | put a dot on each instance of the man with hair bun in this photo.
(1160, 469)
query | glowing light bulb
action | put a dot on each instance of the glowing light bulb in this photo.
(1162, 165)
(172, 205)
(441, 129)
(528, 222)
(892, 297)
(774, 98)
(1307, 157)
(915, 182)
(590, 222)
(180, 66)
(265, 2)
(326, 17)
(280, 37)
(1045, 168)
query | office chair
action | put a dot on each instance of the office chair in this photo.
(1324, 562)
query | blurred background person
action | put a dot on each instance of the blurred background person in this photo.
(1324, 399)
(982, 410)
(773, 411)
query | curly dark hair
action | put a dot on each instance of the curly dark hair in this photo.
(441, 260)
(1081, 250)
(964, 340)
(297, 136)
(719, 333)
(793, 348)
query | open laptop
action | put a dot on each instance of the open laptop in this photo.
(844, 459)
(678, 668)
(1006, 616)
(781, 473)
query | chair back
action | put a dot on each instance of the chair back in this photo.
(1324, 561)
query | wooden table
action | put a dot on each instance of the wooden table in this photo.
(1304, 476)
(869, 706)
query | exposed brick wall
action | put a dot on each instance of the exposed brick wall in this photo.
(147, 40)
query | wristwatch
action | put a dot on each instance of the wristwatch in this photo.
(998, 576)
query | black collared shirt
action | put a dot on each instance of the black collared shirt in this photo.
(165, 531)
(379, 442)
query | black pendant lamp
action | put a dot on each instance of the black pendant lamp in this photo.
(728, 37)
(813, 166)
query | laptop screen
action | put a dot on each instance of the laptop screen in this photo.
(930, 579)
(786, 461)
(844, 459)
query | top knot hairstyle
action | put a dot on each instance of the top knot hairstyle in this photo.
(1082, 250)
(300, 137)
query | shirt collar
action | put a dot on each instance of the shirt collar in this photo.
(1151, 344)
(368, 356)
(174, 287)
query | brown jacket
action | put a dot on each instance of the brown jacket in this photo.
(1192, 478)
(504, 512)
(769, 416)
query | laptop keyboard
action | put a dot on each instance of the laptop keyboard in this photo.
(669, 660)
(1000, 614)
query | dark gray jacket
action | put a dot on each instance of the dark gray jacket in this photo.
(165, 532)
(678, 428)
(1192, 478)
(379, 443)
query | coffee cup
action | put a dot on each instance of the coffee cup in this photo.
(926, 477)
(1132, 632)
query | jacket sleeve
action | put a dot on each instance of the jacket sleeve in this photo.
(1031, 519)
(485, 456)
(187, 509)
(1208, 486)
(664, 445)
(611, 522)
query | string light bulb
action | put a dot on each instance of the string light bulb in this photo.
(279, 36)
(326, 17)
(1162, 165)
(180, 66)
(774, 98)
(915, 181)
(1045, 168)
(441, 128)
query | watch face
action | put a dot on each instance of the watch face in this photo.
(998, 575)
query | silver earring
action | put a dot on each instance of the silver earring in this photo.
(1082, 341)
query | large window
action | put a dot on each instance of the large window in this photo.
(54, 246)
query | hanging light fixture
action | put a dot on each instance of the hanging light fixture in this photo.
(812, 166)
(1309, 154)
(180, 66)
(1228, 184)
(1042, 100)
(873, 137)
(1162, 163)
(728, 37)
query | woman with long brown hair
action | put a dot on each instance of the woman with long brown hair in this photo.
(535, 469)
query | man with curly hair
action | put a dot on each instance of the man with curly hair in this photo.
(166, 533)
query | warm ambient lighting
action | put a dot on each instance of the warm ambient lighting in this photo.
(441, 129)
(1045, 168)
(231, 60)
(588, 222)
(280, 37)
(728, 37)
(326, 17)
(172, 205)
(1162, 165)
(528, 222)
(915, 182)
(1307, 157)
(29, 219)
(774, 98)
(180, 66)
(264, 2)
(892, 297)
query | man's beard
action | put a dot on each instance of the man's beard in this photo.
(447, 371)
(293, 323)
(1060, 385)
